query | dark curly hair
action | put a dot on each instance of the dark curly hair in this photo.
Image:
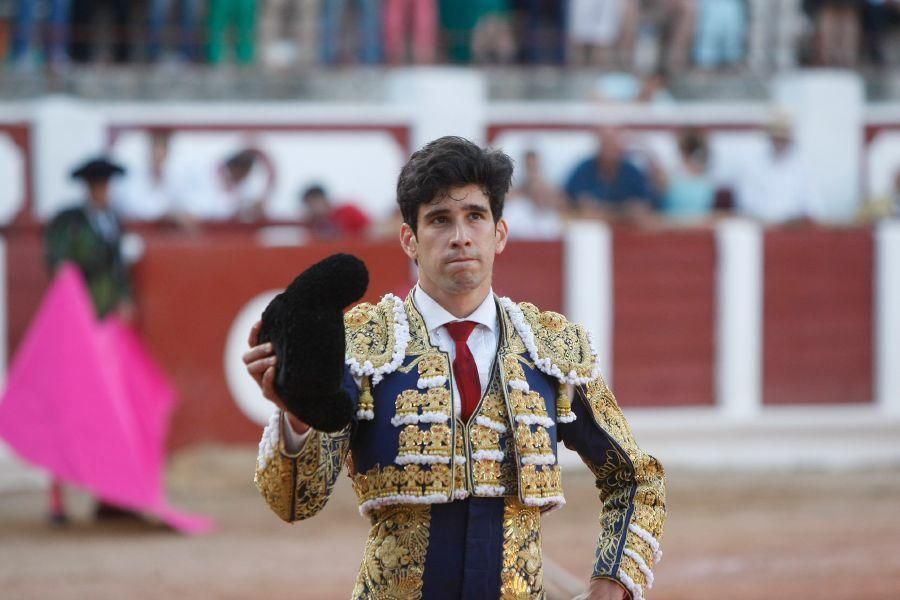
(449, 162)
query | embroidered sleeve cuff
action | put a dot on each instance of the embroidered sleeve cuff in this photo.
(640, 554)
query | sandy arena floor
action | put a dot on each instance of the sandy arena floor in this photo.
(729, 537)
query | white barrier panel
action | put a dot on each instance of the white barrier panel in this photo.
(588, 285)
(739, 297)
(887, 317)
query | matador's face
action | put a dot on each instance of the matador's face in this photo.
(456, 241)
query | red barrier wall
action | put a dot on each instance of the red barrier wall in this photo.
(817, 316)
(664, 317)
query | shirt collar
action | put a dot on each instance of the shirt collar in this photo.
(436, 315)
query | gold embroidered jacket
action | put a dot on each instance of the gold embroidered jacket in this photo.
(409, 454)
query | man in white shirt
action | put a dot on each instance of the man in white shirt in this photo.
(461, 398)
(778, 188)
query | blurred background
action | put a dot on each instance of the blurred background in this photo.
(711, 186)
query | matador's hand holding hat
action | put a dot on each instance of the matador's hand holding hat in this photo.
(305, 324)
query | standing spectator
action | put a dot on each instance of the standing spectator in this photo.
(54, 36)
(679, 20)
(367, 33)
(608, 185)
(542, 26)
(325, 220)
(689, 191)
(837, 29)
(290, 32)
(877, 18)
(778, 187)
(492, 38)
(414, 20)
(721, 33)
(773, 34)
(602, 32)
(84, 34)
(159, 24)
(533, 207)
(225, 15)
(466, 24)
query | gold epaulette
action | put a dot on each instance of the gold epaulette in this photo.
(376, 337)
(563, 348)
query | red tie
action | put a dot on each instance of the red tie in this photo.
(464, 369)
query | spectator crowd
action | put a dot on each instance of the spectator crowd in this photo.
(621, 182)
(651, 36)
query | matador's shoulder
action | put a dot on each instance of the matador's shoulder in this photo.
(376, 336)
(558, 347)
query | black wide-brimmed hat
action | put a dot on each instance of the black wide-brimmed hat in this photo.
(98, 169)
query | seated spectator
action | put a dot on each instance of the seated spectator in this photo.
(533, 207)
(224, 16)
(236, 188)
(52, 37)
(364, 37)
(151, 191)
(690, 192)
(159, 24)
(602, 32)
(325, 220)
(608, 185)
(778, 187)
(413, 21)
(289, 32)
(721, 32)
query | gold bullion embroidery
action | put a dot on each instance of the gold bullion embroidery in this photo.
(318, 466)
(276, 484)
(531, 403)
(394, 559)
(432, 365)
(522, 574)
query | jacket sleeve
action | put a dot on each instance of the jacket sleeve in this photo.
(631, 485)
(296, 486)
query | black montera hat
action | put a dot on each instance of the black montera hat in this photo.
(98, 169)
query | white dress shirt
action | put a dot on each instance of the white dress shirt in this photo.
(483, 342)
